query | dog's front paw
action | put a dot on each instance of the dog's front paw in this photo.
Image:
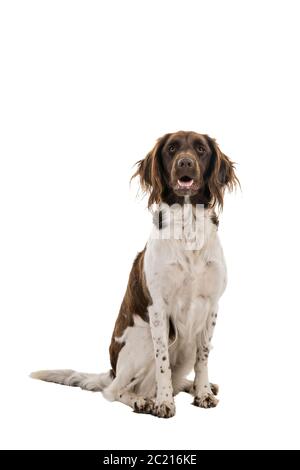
(143, 405)
(207, 400)
(165, 409)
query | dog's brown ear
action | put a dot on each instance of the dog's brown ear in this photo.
(222, 175)
(149, 171)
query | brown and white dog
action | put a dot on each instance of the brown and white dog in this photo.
(168, 314)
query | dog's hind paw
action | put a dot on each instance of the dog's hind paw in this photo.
(214, 388)
(206, 401)
(188, 387)
(143, 405)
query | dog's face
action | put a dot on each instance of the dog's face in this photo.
(186, 164)
(185, 158)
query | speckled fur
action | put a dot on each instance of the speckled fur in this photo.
(185, 285)
(169, 311)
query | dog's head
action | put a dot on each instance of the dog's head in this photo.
(186, 164)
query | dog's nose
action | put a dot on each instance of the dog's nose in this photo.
(185, 162)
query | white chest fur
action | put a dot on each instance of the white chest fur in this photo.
(185, 272)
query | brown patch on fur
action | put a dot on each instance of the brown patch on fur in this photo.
(214, 219)
(222, 175)
(150, 173)
(135, 302)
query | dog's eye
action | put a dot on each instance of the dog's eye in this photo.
(172, 148)
(200, 149)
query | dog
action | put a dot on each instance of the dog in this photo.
(167, 318)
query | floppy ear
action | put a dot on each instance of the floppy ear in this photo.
(150, 173)
(222, 175)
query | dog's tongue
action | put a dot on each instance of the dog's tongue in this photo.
(185, 184)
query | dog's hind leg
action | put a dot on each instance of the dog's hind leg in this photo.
(187, 387)
(134, 365)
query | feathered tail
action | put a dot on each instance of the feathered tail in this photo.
(92, 382)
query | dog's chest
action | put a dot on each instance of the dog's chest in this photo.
(186, 283)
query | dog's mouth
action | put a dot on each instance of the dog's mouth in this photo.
(186, 186)
(185, 182)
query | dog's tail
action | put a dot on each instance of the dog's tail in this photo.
(92, 382)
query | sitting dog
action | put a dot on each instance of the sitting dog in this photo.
(169, 311)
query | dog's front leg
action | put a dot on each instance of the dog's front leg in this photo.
(159, 324)
(202, 390)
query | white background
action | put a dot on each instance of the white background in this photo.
(86, 88)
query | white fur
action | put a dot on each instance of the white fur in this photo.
(185, 285)
(91, 382)
(185, 274)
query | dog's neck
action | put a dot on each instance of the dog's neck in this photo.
(164, 213)
(190, 223)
